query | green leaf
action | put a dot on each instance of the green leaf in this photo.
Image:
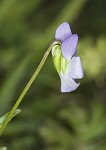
(3, 148)
(3, 118)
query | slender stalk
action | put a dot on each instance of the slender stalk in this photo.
(9, 117)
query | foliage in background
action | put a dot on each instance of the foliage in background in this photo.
(50, 120)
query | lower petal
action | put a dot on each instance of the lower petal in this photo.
(68, 84)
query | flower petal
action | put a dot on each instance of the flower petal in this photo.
(63, 32)
(74, 68)
(68, 84)
(68, 47)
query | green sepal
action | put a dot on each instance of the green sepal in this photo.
(63, 64)
(59, 61)
(56, 53)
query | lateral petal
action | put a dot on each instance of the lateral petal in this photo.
(74, 68)
(68, 47)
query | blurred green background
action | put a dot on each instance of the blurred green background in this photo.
(49, 119)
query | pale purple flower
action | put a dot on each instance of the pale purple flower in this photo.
(73, 69)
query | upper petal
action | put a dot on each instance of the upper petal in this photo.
(74, 68)
(67, 83)
(68, 47)
(63, 32)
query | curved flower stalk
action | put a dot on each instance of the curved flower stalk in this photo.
(13, 111)
(67, 64)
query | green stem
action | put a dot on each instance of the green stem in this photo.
(9, 117)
